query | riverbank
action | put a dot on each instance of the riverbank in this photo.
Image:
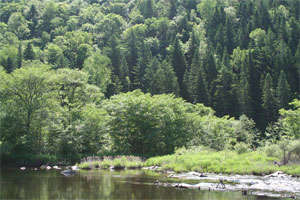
(276, 185)
(205, 161)
(118, 162)
(225, 162)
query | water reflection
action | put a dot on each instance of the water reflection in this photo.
(98, 184)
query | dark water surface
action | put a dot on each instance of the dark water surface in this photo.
(99, 184)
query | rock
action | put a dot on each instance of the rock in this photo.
(43, 167)
(277, 174)
(173, 176)
(75, 168)
(56, 167)
(68, 172)
(48, 167)
(22, 168)
(192, 173)
(182, 185)
(35, 169)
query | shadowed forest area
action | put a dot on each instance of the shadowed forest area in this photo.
(148, 77)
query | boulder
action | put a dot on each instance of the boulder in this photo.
(277, 174)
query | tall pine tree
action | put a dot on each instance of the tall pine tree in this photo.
(268, 101)
(178, 63)
(283, 92)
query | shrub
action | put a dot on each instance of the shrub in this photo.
(241, 148)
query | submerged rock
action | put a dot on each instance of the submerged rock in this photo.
(277, 184)
(182, 185)
(155, 168)
(69, 172)
(43, 166)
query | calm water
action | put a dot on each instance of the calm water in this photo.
(99, 184)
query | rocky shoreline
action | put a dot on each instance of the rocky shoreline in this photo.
(277, 184)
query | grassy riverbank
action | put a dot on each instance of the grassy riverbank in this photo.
(228, 162)
(117, 162)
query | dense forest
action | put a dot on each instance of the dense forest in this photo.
(144, 77)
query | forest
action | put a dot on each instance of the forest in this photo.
(146, 77)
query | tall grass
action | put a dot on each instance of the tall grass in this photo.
(228, 162)
(117, 162)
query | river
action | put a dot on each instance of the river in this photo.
(101, 184)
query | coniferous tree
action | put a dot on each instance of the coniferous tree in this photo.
(133, 53)
(283, 92)
(136, 76)
(149, 9)
(268, 101)
(145, 56)
(244, 97)
(124, 74)
(28, 52)
(173, 9)
(32, 18)
(20, 56)
(9, 67)
(210, 68)
(224, 96)
(193, 75)
(228, 34)
(186, 86)
(178, 63)
(165, 79)
(114, 54)
(201, 89)
(219, 36)
(194, 43)
(149, 76)
(213, 24)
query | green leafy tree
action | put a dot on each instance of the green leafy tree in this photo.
(29, 93)
(18, 25)
(99, 69)
(135, 132)
(291, 122)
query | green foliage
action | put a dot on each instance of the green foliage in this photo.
(98, 67)
(287, 151)
(222, 162)
(144, 125)
(241, 148)
(118, 162)
(187, 48)
(291, 122)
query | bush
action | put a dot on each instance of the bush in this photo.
(273, 150)
(241, 148)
